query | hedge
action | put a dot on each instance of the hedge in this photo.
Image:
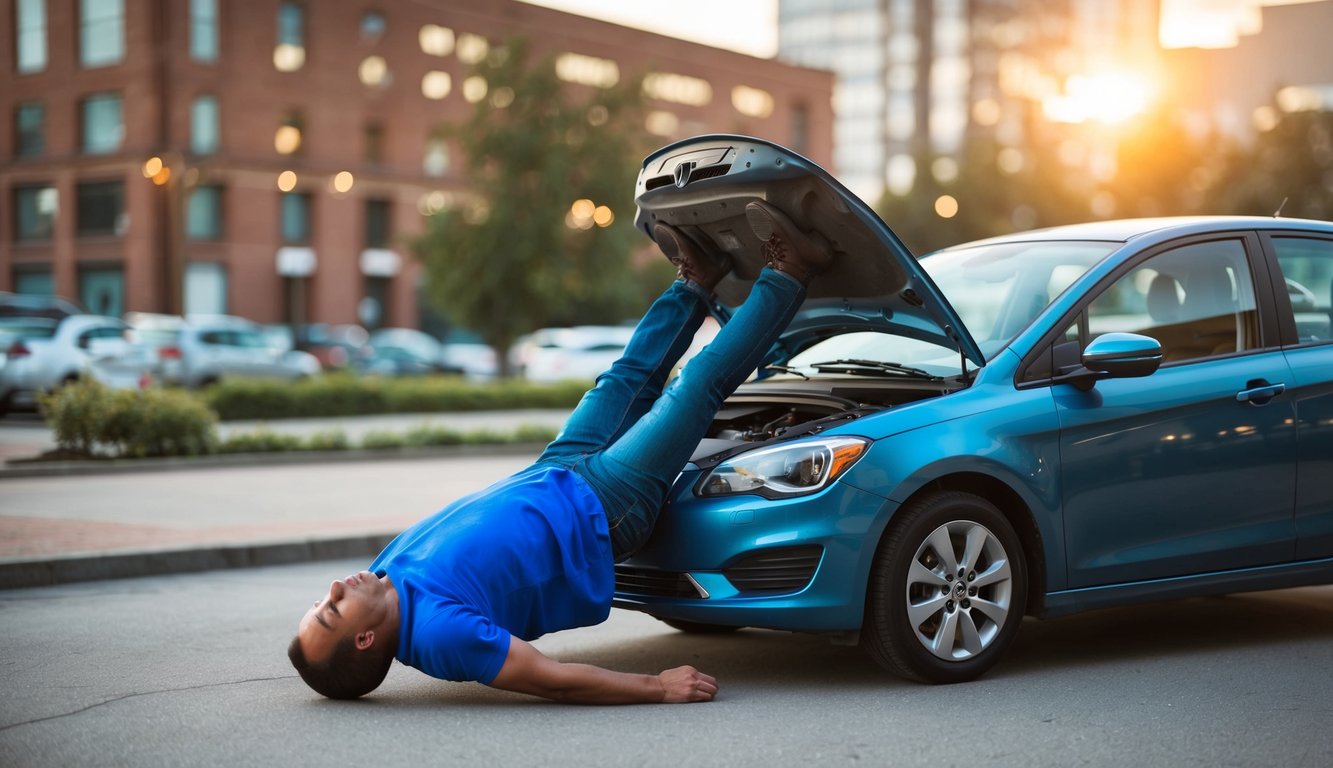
(336, 395)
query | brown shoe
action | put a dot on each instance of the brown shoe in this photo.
(786, 247)
(691, 262)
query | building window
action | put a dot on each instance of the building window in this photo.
(99, 208)
(29, 129)
(203, 214)
(374, 144)
(287, 139)
(372, 27)
(102, 290)
(103, 124)
(800, 128)
(377, 223)
(436, 160)
(34, 281)
(289, 54)
(101, 32)
(295, 217)
(204, 30)
(30, 29)
(205, 288)
(204, 125)
(34, 212)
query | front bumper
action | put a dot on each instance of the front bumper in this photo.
(798, 564)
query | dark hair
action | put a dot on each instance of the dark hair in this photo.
(348, 672)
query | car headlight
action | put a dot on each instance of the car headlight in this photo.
(792, 469)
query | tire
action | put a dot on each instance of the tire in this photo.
(697, 628)
(921, 621)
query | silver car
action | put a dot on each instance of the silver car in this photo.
(198, 351)
(41, 355)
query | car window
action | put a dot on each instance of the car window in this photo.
(1196, 300)
(215, 337)
(1307, 268)
(999, 289)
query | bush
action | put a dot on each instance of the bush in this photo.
(86, 416)
(342, 395)
(262, 441)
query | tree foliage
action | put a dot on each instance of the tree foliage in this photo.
(510, 258)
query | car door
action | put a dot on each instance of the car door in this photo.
(1191, 469)
(1306, 319)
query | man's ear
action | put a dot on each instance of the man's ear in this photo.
(365, 639)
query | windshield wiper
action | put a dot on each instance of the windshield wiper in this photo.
(855, 365)
(785, 369)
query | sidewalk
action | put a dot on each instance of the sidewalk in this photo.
(125, 524)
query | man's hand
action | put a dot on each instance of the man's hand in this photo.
(527, 670)
(684, 684)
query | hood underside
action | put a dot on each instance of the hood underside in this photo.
(702, 185)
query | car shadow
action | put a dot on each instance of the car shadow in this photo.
(1174, 628)
(755, 662)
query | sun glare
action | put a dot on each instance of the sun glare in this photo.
(1109, 97)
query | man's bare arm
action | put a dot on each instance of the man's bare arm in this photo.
(528, 670)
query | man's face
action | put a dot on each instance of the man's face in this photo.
(356, 606)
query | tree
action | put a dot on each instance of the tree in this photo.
(518, 252)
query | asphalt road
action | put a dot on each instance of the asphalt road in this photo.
(189, 670)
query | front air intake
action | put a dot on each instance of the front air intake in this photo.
(775, 571)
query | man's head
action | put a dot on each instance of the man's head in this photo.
(346, 642)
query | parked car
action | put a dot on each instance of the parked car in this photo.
(580, 352)
(201, 350)
(40, 354)
(30, 305)
(402, 352)
(336, 347)
(1035, 424)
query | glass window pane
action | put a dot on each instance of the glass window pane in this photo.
(204, 30)
(29, 130)
(204, 125)
(103, 124)
(291, 23)
(100, 205)
(205, 288)
(1307, 267)
(1197, 300)
(377, 223)
(295, 218)
(203, 214)
(102, 290)
(101, 32)
(34, 212)
(31, 28)
(34, 282)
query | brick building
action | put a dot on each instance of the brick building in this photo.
(268, 158)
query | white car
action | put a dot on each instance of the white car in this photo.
(582, 352)
(41, 356)
(201, 350)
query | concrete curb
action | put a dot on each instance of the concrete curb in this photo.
(29, 469)
(68, 569)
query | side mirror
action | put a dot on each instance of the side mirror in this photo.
(1122, 355)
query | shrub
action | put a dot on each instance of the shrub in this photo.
(261, 441)
(86, 416)
(345, 395)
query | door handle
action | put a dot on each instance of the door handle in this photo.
(1260, 392)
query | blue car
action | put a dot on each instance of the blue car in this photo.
(1035, 424)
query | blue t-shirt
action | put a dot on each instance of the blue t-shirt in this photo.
(526, 556)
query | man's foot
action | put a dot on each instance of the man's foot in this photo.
(787, 248)
(691, 262)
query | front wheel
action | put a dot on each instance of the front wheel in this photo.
(947, 590)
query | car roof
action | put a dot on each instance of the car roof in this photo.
(1124, 230)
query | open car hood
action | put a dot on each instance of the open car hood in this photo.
(701, 186)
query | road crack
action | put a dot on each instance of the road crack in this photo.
(138, 694)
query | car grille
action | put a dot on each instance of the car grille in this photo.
(774, 571)
(654, 583)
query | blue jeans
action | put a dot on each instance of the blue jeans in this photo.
(628, 438)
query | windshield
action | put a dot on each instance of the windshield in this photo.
(997, 289)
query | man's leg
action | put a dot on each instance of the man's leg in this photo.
(634, 382)
(634, 473)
